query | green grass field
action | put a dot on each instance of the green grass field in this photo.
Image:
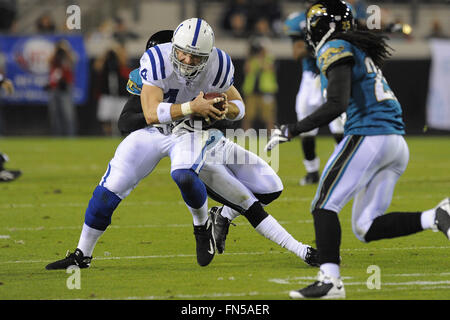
(149, 250)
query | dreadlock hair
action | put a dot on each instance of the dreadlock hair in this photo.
(372, 43)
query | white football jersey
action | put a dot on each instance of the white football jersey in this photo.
(157, 70)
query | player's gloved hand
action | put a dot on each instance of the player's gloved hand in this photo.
(279, 135)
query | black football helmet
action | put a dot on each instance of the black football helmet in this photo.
(326, 17)
(162, 36)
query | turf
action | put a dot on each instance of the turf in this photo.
(149, 250)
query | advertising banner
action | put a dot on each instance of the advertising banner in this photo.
(438, 104)
(26, 61)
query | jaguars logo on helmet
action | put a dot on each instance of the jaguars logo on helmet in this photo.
(326, 17)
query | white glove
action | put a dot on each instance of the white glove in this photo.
(278, 136)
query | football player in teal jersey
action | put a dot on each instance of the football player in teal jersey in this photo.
(373, 154)
(132, 118)
(140, 152)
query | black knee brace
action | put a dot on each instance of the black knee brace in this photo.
(266, 198)
(255, 214)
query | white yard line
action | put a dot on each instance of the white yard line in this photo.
(140, 257)
(230, 253)
(156, 202)
(420, 285)
(139, 226)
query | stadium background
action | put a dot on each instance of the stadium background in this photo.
(149, 250)
(408, 72)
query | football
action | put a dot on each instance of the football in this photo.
(218, 105)
(212, 95)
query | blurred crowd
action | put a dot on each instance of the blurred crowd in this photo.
(109, 77)
(259, 21)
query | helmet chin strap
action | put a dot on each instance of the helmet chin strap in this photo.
(325, 38)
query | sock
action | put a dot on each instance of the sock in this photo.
(394, 224)
(312, 165)
(330, 269)
(272, 230)
(309, 147)
(192, 188)
(427, 219)
(328, 235)
(199, 216)
(88, 240)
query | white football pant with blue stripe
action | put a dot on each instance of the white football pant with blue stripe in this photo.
(365, 168)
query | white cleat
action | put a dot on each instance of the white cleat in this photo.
(326, 287)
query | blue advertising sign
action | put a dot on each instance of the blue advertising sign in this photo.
(25, 60)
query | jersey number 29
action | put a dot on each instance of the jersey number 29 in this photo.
(381, 93)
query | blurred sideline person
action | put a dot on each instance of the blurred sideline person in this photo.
(227, 182)
(185, 68)
(7, 175)
(112, 71)
(62, 112)
(368, 162)
(260, 86)
(309, 97)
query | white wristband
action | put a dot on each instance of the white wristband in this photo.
(163, 112)
(241, 108)
(186, 108)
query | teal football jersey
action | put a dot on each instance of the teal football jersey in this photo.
(134, 85)
(373, 108)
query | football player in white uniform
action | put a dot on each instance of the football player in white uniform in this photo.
(244, 187)
(309, 97)
(173, 74)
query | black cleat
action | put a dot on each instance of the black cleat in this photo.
(9, 175)
(442, 219)
(312, 257)
(324, 288)
(221, 226)
(72, 259)
(310, 178)
(205, 245)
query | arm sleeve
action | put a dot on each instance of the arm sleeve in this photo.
(338, 96)
(132, 118)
